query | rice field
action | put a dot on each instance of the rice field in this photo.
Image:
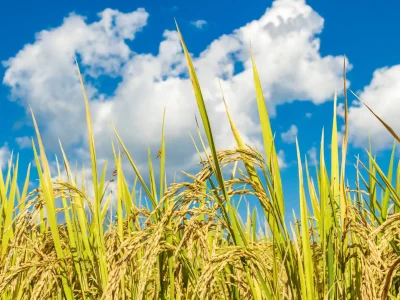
(190, 242)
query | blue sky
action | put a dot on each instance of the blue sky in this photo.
(130, 76)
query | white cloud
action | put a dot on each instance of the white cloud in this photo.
(383, 96)
(289, 136)
(24, 142)
(340, 138)
(308, 115)
(4, 156)
(281, 160)
(43, 75)
(312, 156)
(199, 24)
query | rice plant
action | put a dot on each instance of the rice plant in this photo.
(190, 242)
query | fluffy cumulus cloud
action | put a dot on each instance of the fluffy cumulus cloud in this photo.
(43, 75)
(4, 156)
(383, 96)
(289, 136)
(285, 45)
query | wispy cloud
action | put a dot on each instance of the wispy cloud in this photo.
(24, 142)
(4, 156)
(289, 136)
(312, 156)
(281, 160)
(199, 24)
